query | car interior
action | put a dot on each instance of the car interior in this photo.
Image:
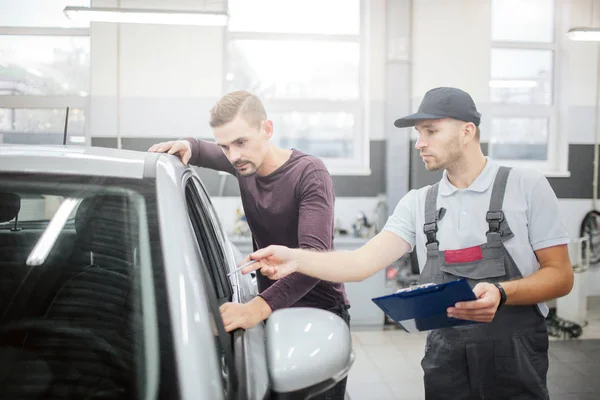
(69, 327)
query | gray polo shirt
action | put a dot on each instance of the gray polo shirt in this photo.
(530, 208)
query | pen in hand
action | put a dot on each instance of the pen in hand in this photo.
(242, 267)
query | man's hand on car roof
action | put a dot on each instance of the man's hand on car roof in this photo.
(181, 148)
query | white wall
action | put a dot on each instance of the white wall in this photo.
(166, 78)
(582, 77)
(374, 50)
(450, 47)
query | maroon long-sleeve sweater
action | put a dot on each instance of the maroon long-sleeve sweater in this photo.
(294, 207)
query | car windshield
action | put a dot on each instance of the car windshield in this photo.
(72, 315)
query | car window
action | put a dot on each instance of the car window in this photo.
(209, 241)
(226, 248)
(219, 288)
(70, 293)
(209, 206)
(223, 344)
(35, 210)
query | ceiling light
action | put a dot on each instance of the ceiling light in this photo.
(584, 34)
(143, 16)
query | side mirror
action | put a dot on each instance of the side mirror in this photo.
(309, 350)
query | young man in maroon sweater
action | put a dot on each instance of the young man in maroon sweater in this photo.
(288, 199)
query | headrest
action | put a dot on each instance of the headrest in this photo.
(101, 207)
(104, 227)
(10, 205)
(82, 214)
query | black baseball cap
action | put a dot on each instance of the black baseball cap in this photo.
(443, 102)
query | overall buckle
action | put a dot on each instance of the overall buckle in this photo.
(430, 230)
(494, 219)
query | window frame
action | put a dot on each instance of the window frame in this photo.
(245, 369)
(214, 279)
(207, 238)
(556, 164)
(48, 101)
(359, 163)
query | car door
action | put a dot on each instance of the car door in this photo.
(248, 348)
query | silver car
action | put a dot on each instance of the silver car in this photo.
(112, 270)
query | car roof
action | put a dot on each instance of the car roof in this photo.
(80, 161)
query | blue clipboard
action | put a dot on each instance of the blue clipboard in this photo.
(423, 307)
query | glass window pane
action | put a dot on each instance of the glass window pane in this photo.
(44, 65)
(98, 343)
(326, 134)
(519, 139)
(523, 20)
(40, 13)
(41, 126)
(295, 69)
(287, 16)
(521, 76)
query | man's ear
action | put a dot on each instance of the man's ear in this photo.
(469, 132)
(267, 126)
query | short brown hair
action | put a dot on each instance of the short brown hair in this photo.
(241, 103)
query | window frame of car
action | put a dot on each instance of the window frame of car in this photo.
(208, 237)
(249, 348)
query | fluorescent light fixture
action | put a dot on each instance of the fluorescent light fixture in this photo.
(77, 139)
(44, 245)
(512, 83)
(143, 16)
(584, 34)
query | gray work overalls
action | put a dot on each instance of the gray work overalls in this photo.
(504, 359)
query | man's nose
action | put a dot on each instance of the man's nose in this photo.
(234, 155)
(420, 143)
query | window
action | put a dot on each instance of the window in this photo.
(308, 75)
(87, 318)
(328, 134)
(523, 59)
(44, 65)
(39, 13)
(42, 125)
(37, 209)
(218, 288)
(209, 243)
(334, 17)
(44, 69)
(524, 138)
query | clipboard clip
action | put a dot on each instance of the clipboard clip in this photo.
(419, 290)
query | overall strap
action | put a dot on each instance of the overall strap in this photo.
(431, 217)
(495, 216)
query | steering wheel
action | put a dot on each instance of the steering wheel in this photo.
(70, 332)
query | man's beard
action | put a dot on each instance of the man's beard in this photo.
(248, 171)
(453, 157)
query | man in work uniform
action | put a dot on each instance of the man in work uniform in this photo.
(497, 227)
